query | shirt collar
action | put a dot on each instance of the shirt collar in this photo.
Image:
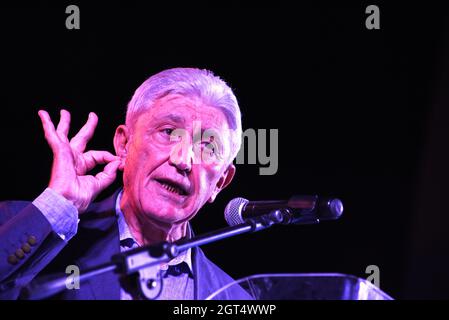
(125, 235)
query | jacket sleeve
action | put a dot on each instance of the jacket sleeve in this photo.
(27, 245)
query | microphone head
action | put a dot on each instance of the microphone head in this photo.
(233, 211)
(330, 209)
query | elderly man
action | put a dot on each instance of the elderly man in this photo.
(182, 132)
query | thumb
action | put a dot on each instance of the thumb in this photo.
(108, 175)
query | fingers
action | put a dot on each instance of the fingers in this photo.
(80, 140)
(93, 158)
(107, 176)
(64, 125)
(49, 129)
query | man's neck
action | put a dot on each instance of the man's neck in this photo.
(148, 231)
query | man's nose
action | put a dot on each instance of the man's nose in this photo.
(182, 157)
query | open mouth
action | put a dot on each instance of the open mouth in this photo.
(172, 187)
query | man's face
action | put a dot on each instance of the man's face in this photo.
(170, 171)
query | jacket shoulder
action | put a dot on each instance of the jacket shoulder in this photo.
(212, 278)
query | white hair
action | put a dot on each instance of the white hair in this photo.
(189, 82)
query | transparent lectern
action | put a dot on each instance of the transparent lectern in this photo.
(306, 286)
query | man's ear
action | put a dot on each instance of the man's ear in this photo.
(223, 182)
(121, 139)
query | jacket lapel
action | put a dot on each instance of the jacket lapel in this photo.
(100, 225)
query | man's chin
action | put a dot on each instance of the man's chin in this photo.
(167, 216)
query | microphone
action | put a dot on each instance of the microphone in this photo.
(298, 209)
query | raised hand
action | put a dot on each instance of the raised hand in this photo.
(70, 163)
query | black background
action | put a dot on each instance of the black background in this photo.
(362, 115)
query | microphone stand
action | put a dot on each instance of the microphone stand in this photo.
(145, 261)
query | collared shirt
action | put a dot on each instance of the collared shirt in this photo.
(178, 275)
(178, 281)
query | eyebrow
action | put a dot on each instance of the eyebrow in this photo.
(171, 117)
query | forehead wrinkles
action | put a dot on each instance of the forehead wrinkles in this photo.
(181, 110)
(174, 101)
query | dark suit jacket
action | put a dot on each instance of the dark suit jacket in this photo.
(30, 248)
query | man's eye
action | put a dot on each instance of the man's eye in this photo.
(167, 131)
(210, 147)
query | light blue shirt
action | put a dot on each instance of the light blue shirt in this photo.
(175, 287)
